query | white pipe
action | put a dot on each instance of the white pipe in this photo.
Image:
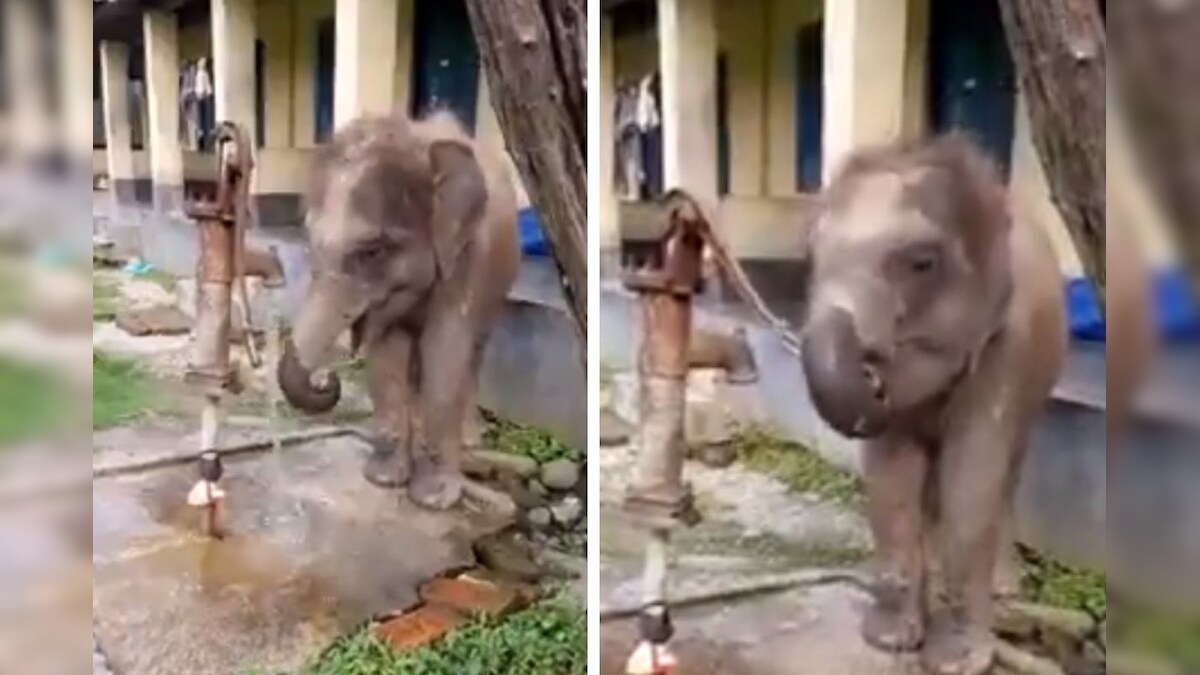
(654, 579)
(210, 422)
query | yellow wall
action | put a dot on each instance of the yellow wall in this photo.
(758, 38)
(288, 29)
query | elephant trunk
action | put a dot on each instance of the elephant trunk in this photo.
(332, 307)
(842, 388)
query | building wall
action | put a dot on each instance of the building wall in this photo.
(289, 32)
(758, 38)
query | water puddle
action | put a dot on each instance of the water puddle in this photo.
(313, 551)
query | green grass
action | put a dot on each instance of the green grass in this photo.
(33, 402)
(105, 299)
(120, 391)
(12, 292)
(1049, 582)
(537, 444)
(549, 638)
(801, 468)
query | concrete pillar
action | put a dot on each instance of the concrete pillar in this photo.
(277, 31)
(234, 32)
(24, 37)
(406, 32)
(610, 225)
(688, 64)
(865, 61)
(160, 33)
(744, 41)
(75, 45)
(366, 58)
(114, 66)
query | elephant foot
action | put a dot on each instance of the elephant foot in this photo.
(958, 650)
(435, 487)
(893, 631)
(1006, 584)
(387, 466)
(894, 623)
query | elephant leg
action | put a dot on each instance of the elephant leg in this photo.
(974, 476)
(390, 382)
(1006, 583)
(896, 473)
(447, 360)
(472, 422)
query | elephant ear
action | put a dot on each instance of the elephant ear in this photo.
(459, 200)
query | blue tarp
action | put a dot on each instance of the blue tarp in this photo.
(533, 242)
(1175, 310)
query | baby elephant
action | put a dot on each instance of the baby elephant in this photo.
(935, 333)
(414, 246)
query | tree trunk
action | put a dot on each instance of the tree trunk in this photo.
(1060, 54)
(535, 56)
(1158, 82)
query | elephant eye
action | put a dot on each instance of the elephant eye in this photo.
(367, 257)
(923, 260)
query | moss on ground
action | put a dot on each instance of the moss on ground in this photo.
(801, 468)
(538, 444)
(121, 391)
(549, 638)
(106, 298)
(33, 402)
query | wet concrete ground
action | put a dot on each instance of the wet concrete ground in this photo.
(756, 533)
(312, 552)
(802, 632)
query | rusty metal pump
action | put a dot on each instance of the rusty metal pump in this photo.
(659, 500)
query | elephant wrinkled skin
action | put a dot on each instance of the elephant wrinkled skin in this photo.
(935, 332)
(413, 235)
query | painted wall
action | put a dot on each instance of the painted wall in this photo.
(758, 38)
(288, 30)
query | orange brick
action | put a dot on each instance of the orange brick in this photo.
(419, 628)
(473, 597)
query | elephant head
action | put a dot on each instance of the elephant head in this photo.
(393, 206)
(909, 279)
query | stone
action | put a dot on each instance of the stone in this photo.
(507, 463)
(472, 597)
(419, 628)
(1023, 621)
(524, 498)
(561, 475)
(614, 431)
(509, 555)
(568, 512)
(163, 321)
(1020, 662)
(540, 518)
(709, 420)
(476, 468)
(535, 487)
(716, 456)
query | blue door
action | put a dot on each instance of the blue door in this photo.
(972, 79)
(326, 59)
(810, 106)
(446, 61)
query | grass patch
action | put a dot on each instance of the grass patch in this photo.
(120, 391)
(549, 638)
(1163, 635)
(32, 402)
(537, 444)
(1049, 582)
(105, 299)
(804, 470)
(12, 292)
